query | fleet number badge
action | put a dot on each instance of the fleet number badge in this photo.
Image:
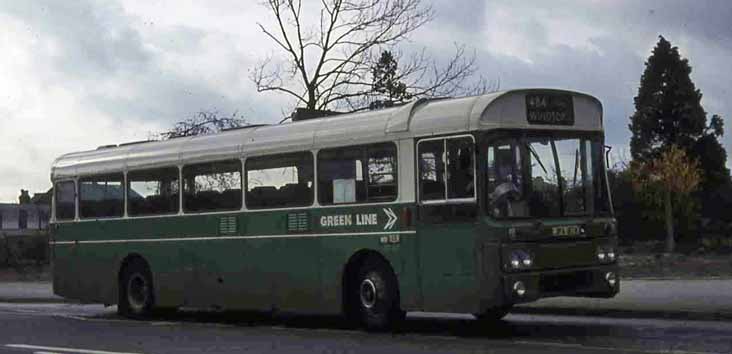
(390, 239)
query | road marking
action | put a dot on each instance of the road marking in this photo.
(63, 350)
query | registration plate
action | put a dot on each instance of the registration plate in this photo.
(571, 230)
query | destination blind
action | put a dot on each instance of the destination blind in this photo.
(551, 109)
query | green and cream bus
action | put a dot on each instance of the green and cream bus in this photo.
(466, 205)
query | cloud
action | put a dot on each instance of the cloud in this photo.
(78, 74)
(600, 47)
(87, 73)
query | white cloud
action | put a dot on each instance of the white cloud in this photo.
(83, 74)
(86, 73)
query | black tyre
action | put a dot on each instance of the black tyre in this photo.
(375, 295)
(136, 290)
(494, 315)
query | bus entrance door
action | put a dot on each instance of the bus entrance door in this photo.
(447, 222)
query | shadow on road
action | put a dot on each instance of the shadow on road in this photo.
(514, 327)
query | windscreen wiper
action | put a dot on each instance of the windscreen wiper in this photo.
(576, 165)
(536, 156)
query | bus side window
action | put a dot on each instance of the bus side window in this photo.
(382, 181)
(341, 174)
(431, 170)
(212, 186)
(460, 168)
(65, 195)
(101, 196)
(152, 192)
(280, 181)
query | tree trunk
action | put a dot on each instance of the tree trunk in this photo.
(312, 101)
(670, 242)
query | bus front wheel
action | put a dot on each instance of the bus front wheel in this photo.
(376, 296)
(135, 290)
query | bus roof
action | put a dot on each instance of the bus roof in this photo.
(423, 117)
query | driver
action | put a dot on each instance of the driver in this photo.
(503, 195)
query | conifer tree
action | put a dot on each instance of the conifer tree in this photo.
(386, 81)
(669, 112)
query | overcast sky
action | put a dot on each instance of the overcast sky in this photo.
(79, 74)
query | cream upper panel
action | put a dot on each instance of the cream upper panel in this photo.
(442, 117)
(88, 162)
(416, 119)
(351, 129)
(509, 111)
(155, 154)
(280, 138)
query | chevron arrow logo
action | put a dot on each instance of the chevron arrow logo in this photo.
(392, 218)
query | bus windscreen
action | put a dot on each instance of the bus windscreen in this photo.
(546, 176)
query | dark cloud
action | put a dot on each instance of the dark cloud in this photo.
(92, 39)
(573, 69)
(123, 67)
(601, 47)
(707, 20)
(93, 49)
(465, 15)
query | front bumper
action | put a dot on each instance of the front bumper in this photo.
(579, 282)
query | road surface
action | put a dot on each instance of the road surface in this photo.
(93, 329)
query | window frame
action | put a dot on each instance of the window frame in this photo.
(178, 204)
(245, 181)
(364, 149)
(182, 199)
(447, 199)
(79, 196)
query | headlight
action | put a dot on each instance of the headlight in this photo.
(601, 255)
(521, 259)
(515, 261)
(610, 255)
(606, 254)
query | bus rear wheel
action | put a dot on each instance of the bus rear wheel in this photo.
(135, 290)
(375, 295)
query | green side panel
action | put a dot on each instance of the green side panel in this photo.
(285, 260)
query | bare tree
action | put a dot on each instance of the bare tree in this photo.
(203, 122)
(330, 63)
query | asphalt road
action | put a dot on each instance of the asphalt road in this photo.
(92, 329)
